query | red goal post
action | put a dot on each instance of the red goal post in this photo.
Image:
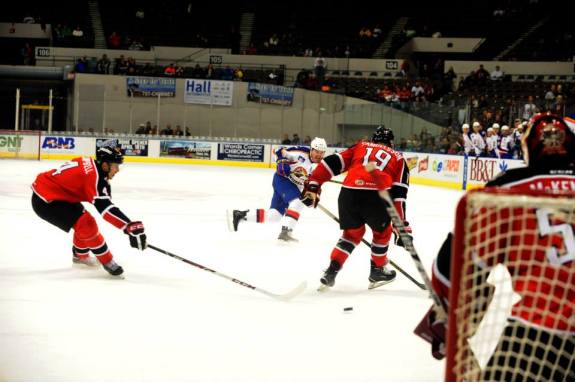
(512, 294)
(20, 144)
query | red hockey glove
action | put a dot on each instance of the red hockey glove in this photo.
(433, 331)
(135, 231)
(397, 238)
(310, 194)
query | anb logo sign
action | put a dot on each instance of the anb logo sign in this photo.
(60, 143)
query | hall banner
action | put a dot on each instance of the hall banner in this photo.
(208, 92)
(128, 146)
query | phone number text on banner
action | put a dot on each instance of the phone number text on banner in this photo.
(241, 152)
(207, 92)
(151, 87)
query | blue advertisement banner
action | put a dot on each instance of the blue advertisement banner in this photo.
(129, 147)
(270, 94)
(61, 144)
(241, 152)
(151, 87)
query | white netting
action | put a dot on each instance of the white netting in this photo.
(513, 288)
(23, 144)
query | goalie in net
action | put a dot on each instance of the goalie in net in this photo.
(520, 231)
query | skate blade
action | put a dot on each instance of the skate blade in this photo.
(377, 284)
(119, 277)
(85, 265)
(230, 220)
(323, 288)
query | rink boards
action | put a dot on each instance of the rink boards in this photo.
(447, 171)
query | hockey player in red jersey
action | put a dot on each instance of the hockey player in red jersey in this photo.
(549, 152)
(359, 202)
(58, 195)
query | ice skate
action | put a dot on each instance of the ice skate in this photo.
(114, 269)
(87, 261)
(328, 278)
(286, 235)
(234, 218)
(380, 276)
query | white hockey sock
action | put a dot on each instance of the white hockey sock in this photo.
(292, 214)
(263, 216)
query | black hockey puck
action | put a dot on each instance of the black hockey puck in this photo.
(348, 309)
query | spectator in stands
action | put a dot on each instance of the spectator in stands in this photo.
(238, 74)
(251, 49)
(285, 140)
(136, 44)
(307, 140)
(148, 70)
(114, 41)
(301, 78)
(497, 74)
(481, 75)
(179, 71)
(228, 74)
(210, 72)
(81, 65)
(197, 71)
(103, 65)
(529, 109)
(78, 32)
(550, 97)
(131, 66)
(320, 66)
(141, 129)
(170, 70)
(27, 54)
(448, 78)
(28, 19)
(295, 139)
(178, 132)
(417, 92)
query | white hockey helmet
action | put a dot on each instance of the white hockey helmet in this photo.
(465, 126)
(495, 126)
(318, 144)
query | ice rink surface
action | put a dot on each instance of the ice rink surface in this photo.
(170, 321)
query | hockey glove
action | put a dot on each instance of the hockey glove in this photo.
(432, 329)
(283, 167)
(135, 231)
(310, 194)
(397, 238)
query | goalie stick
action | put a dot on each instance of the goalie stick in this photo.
(283, 297)
(408, 245)
(331, 215)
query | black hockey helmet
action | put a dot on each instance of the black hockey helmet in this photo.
(109, 154)
(382, 135)
(548, 136)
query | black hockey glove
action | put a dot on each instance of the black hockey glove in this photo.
(135, 231)
(397, 238)
(310, 194)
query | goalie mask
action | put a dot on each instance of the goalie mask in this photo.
(548, 135)
(383, 135)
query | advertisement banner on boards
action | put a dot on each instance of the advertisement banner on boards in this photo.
(185, 149)
(270, 94)
(128, 146)
(208, 92)
(241, 152)
(150, 87)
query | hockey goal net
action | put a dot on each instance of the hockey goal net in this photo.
(512, 296)
(20, 144)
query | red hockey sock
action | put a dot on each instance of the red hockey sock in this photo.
(87, 236)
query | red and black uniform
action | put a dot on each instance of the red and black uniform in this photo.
(58, 196)
(536, 316)
(359, 202)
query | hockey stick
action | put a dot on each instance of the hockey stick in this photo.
(331, 215)
(408, 245)
(283, 297)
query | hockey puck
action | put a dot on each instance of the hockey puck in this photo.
(348, 309)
